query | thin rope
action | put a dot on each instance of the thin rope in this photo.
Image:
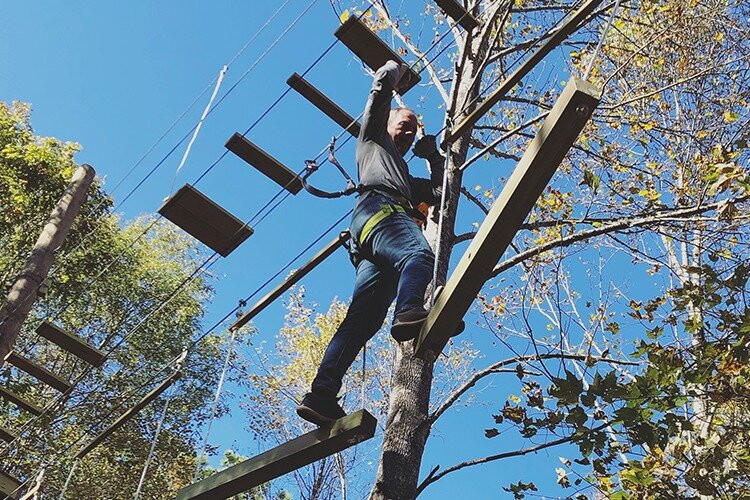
(197, 129)
(153, 445)
(601, 41)
(211, 419)
(67, 481)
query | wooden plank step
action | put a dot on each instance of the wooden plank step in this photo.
(130, 413)
(291, 280)
(11, 396)
(71, 343)
(456, 11)
(7, 435)
(9, 485)
(37, 371)
(323, 103)
(569, 27)
(204, 220)
(541, 159)
(372, 50)
(292, 455)
(267, 164)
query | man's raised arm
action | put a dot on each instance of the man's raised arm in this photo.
(377, 110)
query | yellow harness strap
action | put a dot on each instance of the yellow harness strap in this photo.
(384, 212)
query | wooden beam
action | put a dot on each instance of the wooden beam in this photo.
(9, 485)
(71, 343)
(206, 221)
(372, 50)
(570, 26)
(301, 451)
(323, 103)
(267, 164)
(133, 411)
(37, 371)
(291, 280)
(11, 396)
(456, 11)
(6, 435)
(542, 157)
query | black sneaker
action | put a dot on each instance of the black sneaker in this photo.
(318, 410)
(406, 325)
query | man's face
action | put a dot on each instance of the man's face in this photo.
(402, 126)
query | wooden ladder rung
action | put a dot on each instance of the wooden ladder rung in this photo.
(267, 164)
(37, 371)
(205, 220)
(7, 435)
(71, 343)
(14, 398)
(323, 103)
(456, 11)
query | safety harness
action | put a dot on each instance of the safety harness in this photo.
(401, 205)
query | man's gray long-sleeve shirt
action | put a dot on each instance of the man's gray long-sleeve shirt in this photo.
(379, 162)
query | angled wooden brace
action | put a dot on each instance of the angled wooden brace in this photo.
(292, 455)
(542, 157)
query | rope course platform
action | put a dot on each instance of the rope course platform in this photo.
(9, 485)
(71, 343)
(542, 157)
(568, 28)
(14, 398)
(373, 51)
(324, 104)
(291, 280)
(130, 413)
(456, 11)
(206, 221)
(38, 372)
(267, 164)
(303, 450)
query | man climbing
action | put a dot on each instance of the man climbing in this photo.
(391, 256)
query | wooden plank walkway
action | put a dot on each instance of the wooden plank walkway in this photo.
(541, 159)
(292, 455)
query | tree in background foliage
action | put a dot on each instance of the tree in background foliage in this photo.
(621, 312)
(106, 277)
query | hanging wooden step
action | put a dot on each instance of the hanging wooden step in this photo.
(6, 435)
(71, 343)
(372, 50)
(292, 455)
(38, 371)
(204, 220)
(291, 280)
(14, 398)
(267, 164)
(323, 103)
(456, 11)
(542, 157)
(9, 486)
(130, 413)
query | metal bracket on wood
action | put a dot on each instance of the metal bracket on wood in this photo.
(542, 157)
(292, 455)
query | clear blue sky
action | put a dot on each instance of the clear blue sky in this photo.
(114, 75)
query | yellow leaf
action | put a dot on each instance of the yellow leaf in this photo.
(719, 36)
(344, 16)
(730, 117)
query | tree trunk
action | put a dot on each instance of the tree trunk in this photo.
(23, 294)
(407, 427)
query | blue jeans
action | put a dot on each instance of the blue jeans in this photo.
(394, 261)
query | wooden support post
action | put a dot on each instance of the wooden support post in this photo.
(542, 157)
(301, 451)
(372, 50)
(9, 485)
(456, 11)
(14, 398)
(129, 414)
(323, 103)
(570, 26)
(71, 343)
(37, 371)
(291, 280)
(23, 294)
